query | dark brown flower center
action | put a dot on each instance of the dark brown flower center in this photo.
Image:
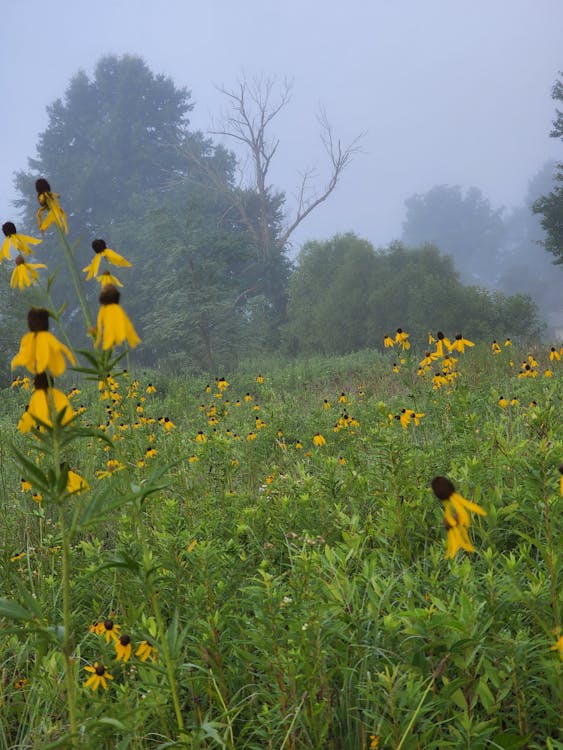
(38, 319)
(98, 246)
(443, 488)
(9, 228)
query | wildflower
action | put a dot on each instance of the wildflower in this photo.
(20, 242)
(298, 445)
(251, 436)
(146, 651)
(502, 402)
(248, 397)
(26, 485)
(388, 342)
(49, 210)
(168, 423)
(431, 339)
(40, 351)
(21, 683)
(150, 452)
(201, 437)
(508, 342)
(456, 516)
(193, 458)
(114, 327)
(395, 368)
(342, 461)
(554, 354)
(326, 404)
(108, 278)
(374, 741)
(548, 373)
(112, 466)
(17, 556)
(401, 337)
(459, 344)
(99, 676)
(123, 648)
(37, 497)
(495, 347)
(442, 341)
(75, 484)
(44, 404)
(561, 479)
(101, 250)
(259, 379)
(318, 439)
(438, 380)
(109, 629)
(151, 388)
(222, 384)
(343, 398)
(25, 274)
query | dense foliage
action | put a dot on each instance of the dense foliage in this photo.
(550, 206)
(305, 597)
(343, 294)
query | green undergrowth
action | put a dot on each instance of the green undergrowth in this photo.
(297, 595)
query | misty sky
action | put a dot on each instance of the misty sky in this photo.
(447, 91)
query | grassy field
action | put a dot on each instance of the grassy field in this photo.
(259, 561)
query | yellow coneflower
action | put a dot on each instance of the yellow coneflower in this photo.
(114, 327)
(222, 384)
(17, 556)
(508, 342)
(75, 484)
(193, 458)
(496, 347)
(150, 388)
(456, 515)
(26, 485)
(298, 445)
(251, 436)
(109, 629)
(259, 379)
(106, 277)
(561, 479)
(431, 339)
(247, 397)
(201, 437)
(49, 211)
(459, 344)
(326, 404)
(101, 250)
(123, 648)
(25, 274)
(146, 651)
(396, 368)
(45, 404)
(20, 242)
(318, 439)
(502, 402)
(402, 338)
(388, 342)
(40, 351)
(99, 676)
(442, 343)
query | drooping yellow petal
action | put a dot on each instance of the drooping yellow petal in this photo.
(473, 507)
(92, 268)
(115, 258)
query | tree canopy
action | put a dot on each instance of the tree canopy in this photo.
(550, 206)
(345, 296)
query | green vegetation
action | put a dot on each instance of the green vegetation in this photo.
(296, 597)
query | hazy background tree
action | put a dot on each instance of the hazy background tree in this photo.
(463, 224)
(550, 205)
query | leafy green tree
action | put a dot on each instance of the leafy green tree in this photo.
(345, 296)
(461, 223)
(110, 138)
(550, 206)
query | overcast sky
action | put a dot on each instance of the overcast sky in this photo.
(447, 91)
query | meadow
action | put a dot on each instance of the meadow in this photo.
(257, 558)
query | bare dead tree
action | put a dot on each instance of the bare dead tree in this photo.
(253, 105)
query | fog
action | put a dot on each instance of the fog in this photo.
(455, 94)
